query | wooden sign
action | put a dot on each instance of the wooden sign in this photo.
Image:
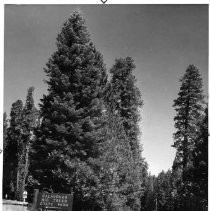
(54, 202)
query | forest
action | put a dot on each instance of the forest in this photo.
(85, 137)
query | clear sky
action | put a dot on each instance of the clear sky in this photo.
(162, 39)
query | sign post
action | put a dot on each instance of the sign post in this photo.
(25, 193)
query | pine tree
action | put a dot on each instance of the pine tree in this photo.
(11, 151)
(125, 99)
(71, 116)
(189, 109)
(29, 117)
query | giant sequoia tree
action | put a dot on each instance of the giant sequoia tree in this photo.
(189, 109)
(67, 140)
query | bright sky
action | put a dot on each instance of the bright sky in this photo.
(162, 39)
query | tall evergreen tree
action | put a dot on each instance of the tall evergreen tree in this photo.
(29, 117)
(11, 151)
(71, 116)
(189, 109)
(125, 99)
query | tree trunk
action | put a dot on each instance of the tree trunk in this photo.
(25, 172)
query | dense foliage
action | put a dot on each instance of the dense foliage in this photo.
(116, 165)
(200, 164)
(159, 192)
(125, 100)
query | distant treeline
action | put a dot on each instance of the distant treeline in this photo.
(85, 138)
